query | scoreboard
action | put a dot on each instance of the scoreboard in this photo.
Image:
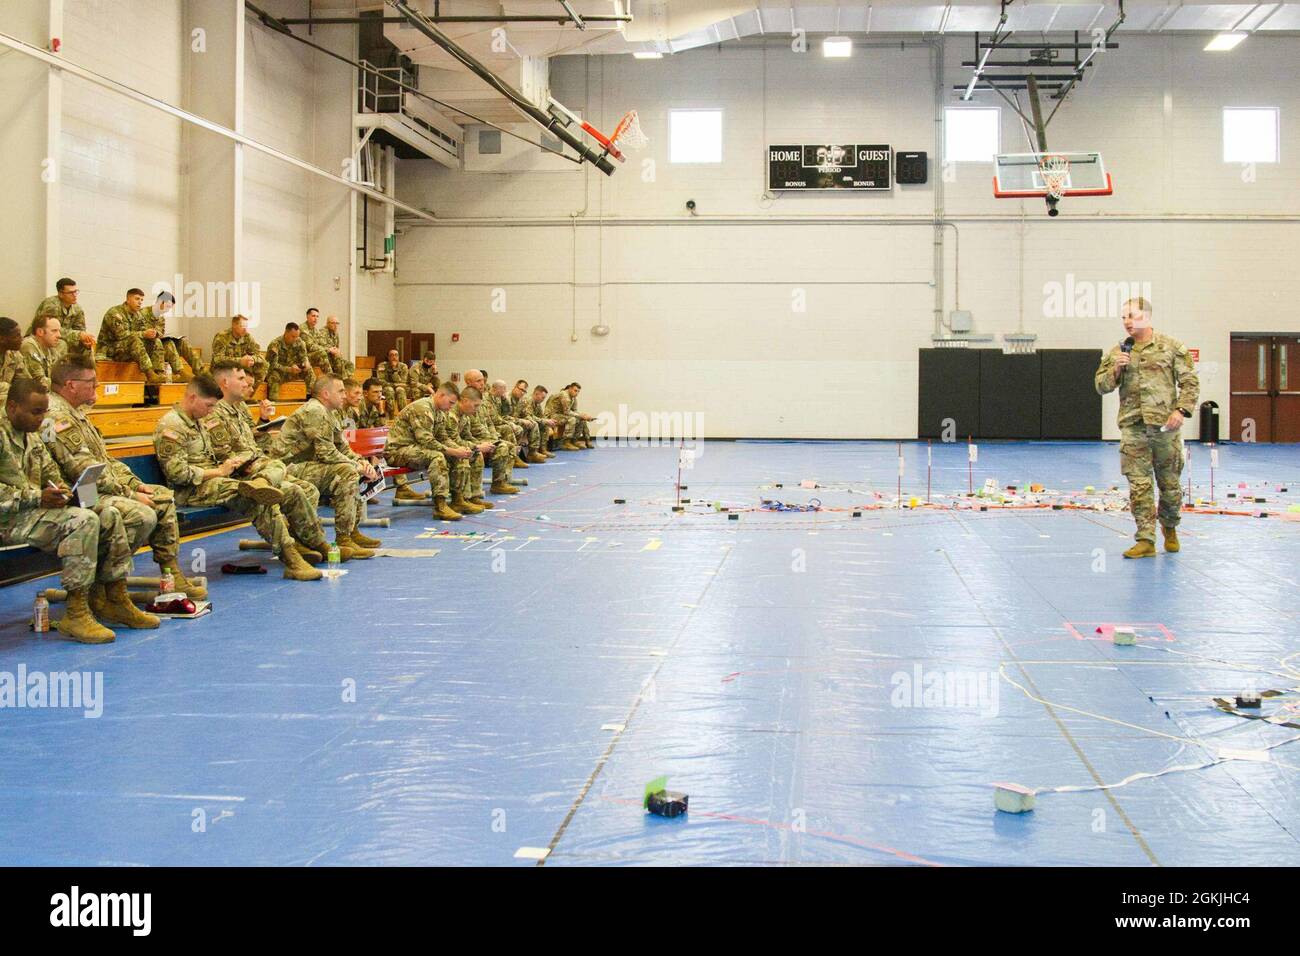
(829, 167)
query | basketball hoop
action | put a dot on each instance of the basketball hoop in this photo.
(627, 135)
(1055, 170)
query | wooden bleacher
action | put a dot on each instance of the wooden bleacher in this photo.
(120, 384)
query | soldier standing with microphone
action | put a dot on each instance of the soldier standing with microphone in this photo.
(1158, 390)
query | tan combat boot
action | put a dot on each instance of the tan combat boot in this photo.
(536, 458)
(261, 491)
(407, 493)
(520, 463)
(153, 377)
(364, 541)
(465, 506)
(80, 625)
(349, 551)
(503, 487)
(482, 502)
(195, 592)
(115, 606)
(295, 568)
(1143, 549)
(567, 445)
(1171, 539)
(442, 511)
(314, 553)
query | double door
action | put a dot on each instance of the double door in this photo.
(1265, 386)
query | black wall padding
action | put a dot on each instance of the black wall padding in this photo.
(1071, 406)
(1010, 395)
(949, 388)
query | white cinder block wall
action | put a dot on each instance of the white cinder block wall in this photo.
(701, 308)
(125, 180)
(122, 172)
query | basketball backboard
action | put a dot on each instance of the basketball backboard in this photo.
(1025, 175)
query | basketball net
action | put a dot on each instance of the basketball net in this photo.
(628, 133)
(1055, 170)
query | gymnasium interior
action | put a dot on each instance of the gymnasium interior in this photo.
(839, 578)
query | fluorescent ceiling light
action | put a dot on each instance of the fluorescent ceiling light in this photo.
(837, 47)
(650, 55)
(1224, 41)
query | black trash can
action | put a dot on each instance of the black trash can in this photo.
(1209, 421)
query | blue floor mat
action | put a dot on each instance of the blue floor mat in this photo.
(827, 688)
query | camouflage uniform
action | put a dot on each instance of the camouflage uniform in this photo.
(120, 339)
(75, 444)
(185, 451)
(71, 318)
(413, 443)
(476, 429)
(226, 346)
(525, 409)
(280, 356)
(319, 341)
(559, 406)
(1159, 379)
(233, 435)
(11, 366)
(581, 427)
(92, 547)
(450, 428)
(311, 443)
(167, 350)
(422, 381)
(40, 361)
(368, 416)
(512, 409)
(490, 411)
(396, 379)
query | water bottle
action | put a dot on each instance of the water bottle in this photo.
(334, 558)
(167, 372)
(166, 583)
(41, 614)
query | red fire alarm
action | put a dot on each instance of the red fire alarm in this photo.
(55, 43)
(455, 336)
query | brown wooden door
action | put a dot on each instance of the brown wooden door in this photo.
(379, 341)
(421, 342)
(1250, 405)
(1265, 385)
(1286, 388)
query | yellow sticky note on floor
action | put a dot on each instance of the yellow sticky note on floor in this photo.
(652, 545)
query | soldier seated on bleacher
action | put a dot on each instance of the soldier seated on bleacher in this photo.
(122, 335)
(148, 511)
(164, 349)
(72, 318)
(186, 456)
(236, 343)
(287, 361)
(37, 509)
(43, 349)
(11, 356)
(358, 413)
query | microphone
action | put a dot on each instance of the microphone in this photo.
(1126, 347)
